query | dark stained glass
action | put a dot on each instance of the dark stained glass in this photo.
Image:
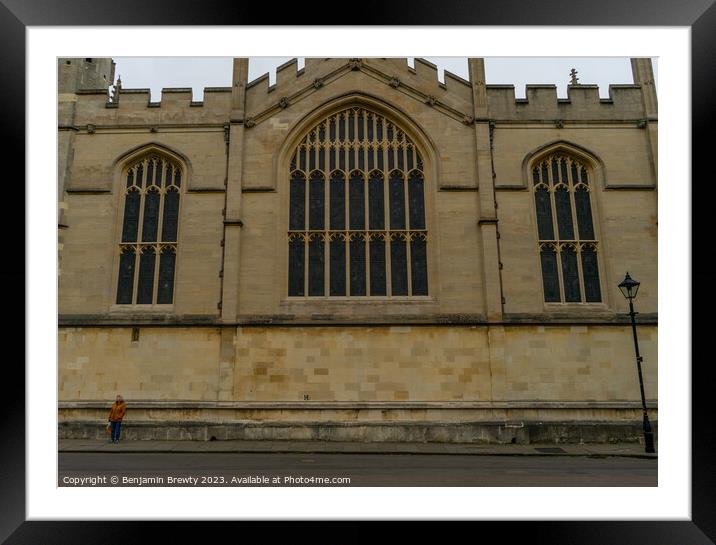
(564, 215)
(575, 175)
(555, 172)
(160, 170)
(151, 216)
(165, 288)
(590, 269)
(550, 276)
(342, 157)
(356, 205)
(293, 162)
(361, 158)
(150, 172)
(297, 214)
(171, 216)
(416, 201)
(130, 178)
(585, 178)
(321, 158)
(545, 226)
(332, 130)
(360, 126)
(376, 205)
(381, 157)
(351, 126)
(145, 286)
(338, 267)
(168, 175)
(177, 177)
(316, 202)
(410, 158)
(420, 161)
(332, 158)
(316, 249)
(131, 217)
(371, 160)
(390, 150)
(563, 170)
(396, 192)
(311, 158)
(401, 160)
(584, 214)
(126, 277)
(398, 267)
(351, 158)
(545, 177)
(379, 129)
(322, 133)
(369, 127)
(338, 201)
(341, 128)
(302, 158)
(419, 266)
(377, 267)
(140, 175)
(570, 275)
(535, 175)
(357, 268)
(389, 131)
(296, 274)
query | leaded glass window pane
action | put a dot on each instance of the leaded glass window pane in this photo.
(356, 208)
(338, 201)
(125, 286)
(151, 216)
(376, 210)
(316, 202)
(145, 286)
(338, 267)
(377, 267)
(419, 266)
(296, 276)
(550, 276)
(315, 266)
(297, 214)
(590, 269)
(544, 214)
(570, 275)
(165, 289)
(564, 214)
(396, 188)
(171, 216)
(357, 270)
(398, 267)
(416, 201)
(584, 214)
(131, 216)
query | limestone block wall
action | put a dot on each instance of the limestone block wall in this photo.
(521, 366)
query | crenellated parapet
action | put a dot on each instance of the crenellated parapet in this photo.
(582, 104)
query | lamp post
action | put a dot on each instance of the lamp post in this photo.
(629, 288)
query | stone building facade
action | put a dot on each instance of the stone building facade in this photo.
(358, 251)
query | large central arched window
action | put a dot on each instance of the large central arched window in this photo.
(357, 210)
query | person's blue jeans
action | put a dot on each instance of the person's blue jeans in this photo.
(116, 427)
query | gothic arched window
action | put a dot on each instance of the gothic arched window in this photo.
(151, 191)
(357, 210)
(567, 240)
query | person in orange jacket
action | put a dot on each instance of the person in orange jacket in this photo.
(116, 414)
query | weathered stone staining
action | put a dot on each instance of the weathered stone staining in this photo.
(533, 209)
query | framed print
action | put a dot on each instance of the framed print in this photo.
(359, 257)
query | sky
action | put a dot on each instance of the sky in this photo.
(199, 72)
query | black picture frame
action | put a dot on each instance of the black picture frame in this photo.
(16, 15)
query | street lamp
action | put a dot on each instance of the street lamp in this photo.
(629, 288)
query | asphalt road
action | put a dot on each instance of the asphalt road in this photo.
(281, 469)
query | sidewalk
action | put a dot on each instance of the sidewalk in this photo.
(632, 450)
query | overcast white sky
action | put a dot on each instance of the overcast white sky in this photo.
(199, 72)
